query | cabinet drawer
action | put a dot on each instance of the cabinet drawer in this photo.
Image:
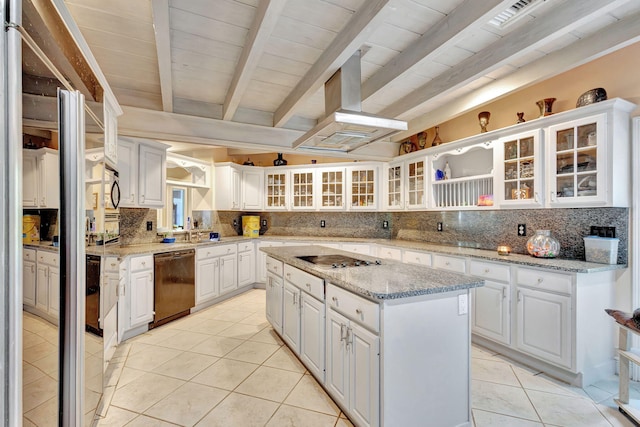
(539, 279)
(49, 258)
(490, 270)
(111, 264)
(450, 263)
(390, 253)
(215, 250)
(364, 312)
(360, 248)
(275, 266)
(29, 255)
(142, 263)
(307, 282)
(420, 258)
(245, 246)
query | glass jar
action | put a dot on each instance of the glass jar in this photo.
(543, 245)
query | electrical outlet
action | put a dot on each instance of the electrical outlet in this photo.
(264, 222)
(522, 229)
(463, 304)
(235, 222)
(322, 223)
(385, 224)
(440, 228)
(149, 225)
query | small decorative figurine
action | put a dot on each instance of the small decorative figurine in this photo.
(520, 117)
(447, 171)
(483, 117)
(545, 106)
(436, 139)
(279, 161)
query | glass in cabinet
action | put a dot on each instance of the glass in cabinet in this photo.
(276, 183)
(519, 165)
(577, 159)
(416, 183)
(363, 189)
(332, 188)
(394, 193)
(302, 194)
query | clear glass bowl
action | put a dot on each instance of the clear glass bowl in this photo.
(543, 245)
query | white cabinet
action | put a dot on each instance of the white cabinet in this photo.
(207, 272)
(48, 283)
(142, 173)
(359, 248)
(41, 180)
(274, 290)
(140, 291)
(362, 187)
(451, 263)
(416, 257)
(252, 189)
(276, 189)
(519, 176)
(29, 277)
(238, 187)
(353, 357)
(246, 264)
(394, 189)
(415, 184)
(303, 189)
(389, 252)
(490, 303)
(304, 318)
(262, 260)
(332, 188)
(228, 271)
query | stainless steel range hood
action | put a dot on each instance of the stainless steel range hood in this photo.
(346, 127)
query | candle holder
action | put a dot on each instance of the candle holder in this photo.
(483, 118)
(504, 250)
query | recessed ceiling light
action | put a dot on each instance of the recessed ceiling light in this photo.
(515, 12)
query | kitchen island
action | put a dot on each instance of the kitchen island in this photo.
(390, 342)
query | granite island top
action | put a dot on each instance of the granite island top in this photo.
(389, 280)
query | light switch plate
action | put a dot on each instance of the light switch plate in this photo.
(463, 304)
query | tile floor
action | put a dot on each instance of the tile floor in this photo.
(224, 366)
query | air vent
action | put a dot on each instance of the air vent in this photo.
(514, 12)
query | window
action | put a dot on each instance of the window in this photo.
(177, 210)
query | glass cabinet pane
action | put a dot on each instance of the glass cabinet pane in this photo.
(276, 190)
(519, 169)
(362, 188)
(302, 189)
(576, 161)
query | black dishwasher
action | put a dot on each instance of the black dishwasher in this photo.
(174, 285)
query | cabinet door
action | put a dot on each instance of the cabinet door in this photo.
(276, 190)
(207, 272)
(151, 176)
(29, 283)
(544, 325)
(337, 362)
(252, 189)
(364, 381)
(274, 302)
(394, 194)
(332, 188)
(490, 315)
(312, 339)
(30, 179)
(140, 298)
(262, 260)
(128, 173)
(42, 287)
(577, 162)
(519, 161)
(415, 184)
(246, 268)
(49, 176)
(228, 273)
(362, 188)
(291, 316)
(302, 190)
(54, 292)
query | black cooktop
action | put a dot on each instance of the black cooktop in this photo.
(337, 261)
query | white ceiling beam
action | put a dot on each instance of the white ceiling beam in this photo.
(160, 11)
(567, 16)
(265, 21)
(347, 42)
(616, 36)
(446, 32)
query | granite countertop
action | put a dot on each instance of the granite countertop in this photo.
(390, 280)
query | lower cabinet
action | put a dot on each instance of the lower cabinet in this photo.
(490, 304)
(42, 288)
(29, 277)
(246, 264)
(274, 289)
(216, 271)
(140, 291)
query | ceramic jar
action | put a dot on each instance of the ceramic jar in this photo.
(543, 245)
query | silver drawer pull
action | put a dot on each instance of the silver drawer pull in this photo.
(486, 270)
(308, 285)
(358, 312)
(540, 279)
(334, 299)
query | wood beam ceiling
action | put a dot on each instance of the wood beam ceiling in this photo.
(160, 11)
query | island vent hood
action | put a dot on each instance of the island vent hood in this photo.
(346, 127)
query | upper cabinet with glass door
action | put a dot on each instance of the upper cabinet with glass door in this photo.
(589, 158)
(415, 183)
(332, 188)
(277, 189)
(519, 161)
(302, 193)
(363, 187)
(394, 189)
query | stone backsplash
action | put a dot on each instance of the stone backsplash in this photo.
(478, 229)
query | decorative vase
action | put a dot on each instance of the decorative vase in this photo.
(545, 106)
(543, 245)
(279, 161)
(520, 118)
(483, 118)
(436, 139)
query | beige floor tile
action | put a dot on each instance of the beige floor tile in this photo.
(253, 352)
(502, 399)
(284, 358)
(494, 371)
(39, 351)
(188, 404)
(51, 334)
(217, 346)
(268, 336)
(45, 415)
(490, 419)
(185, 340)
(185, 323)
(186, 365)
(33, 323)
(30, 373)
(37, 392)
(48, 364)
(269, 383)
(544, 383)
(145, 421)
(232, 315)
(93, 344)
(127, 375)
(211, 326)
(210, 312)
(565, 410)
(155, 336)
(29, 339)
(116, 417)
(308, 394)
(225, 373)
(258, 319)
(91, 399)
(241, 331)
(27, 423)
(343, 422)
(240, 410)
(144, 392)
(289, 416)
(150, 358)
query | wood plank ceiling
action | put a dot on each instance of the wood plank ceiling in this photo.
(235, 64)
